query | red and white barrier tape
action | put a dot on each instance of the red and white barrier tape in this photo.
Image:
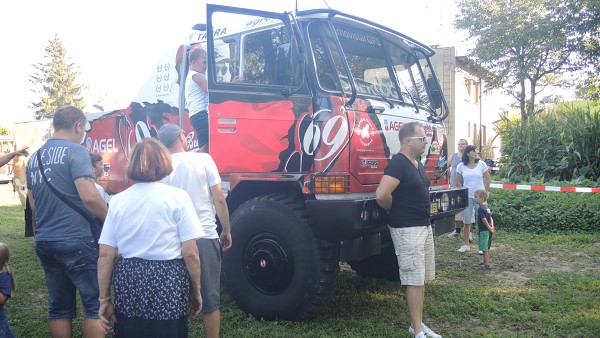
(543, 188)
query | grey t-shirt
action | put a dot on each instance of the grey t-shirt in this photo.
(455, 161)
(63, 163)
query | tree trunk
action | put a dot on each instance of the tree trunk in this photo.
(522, 101)
(531, 108)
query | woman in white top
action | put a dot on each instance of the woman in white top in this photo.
(154, 227)
(473, 174)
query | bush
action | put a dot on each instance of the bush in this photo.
(542, 211)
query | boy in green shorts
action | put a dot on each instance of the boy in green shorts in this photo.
(485, 223)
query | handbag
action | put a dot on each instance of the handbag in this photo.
(95, 223)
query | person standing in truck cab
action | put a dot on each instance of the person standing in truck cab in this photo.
(404, 191)
(196, 96)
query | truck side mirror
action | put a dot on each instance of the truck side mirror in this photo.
(436, 94)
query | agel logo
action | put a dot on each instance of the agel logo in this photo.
(101, 146)
(392, 125)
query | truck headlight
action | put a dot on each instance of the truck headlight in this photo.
(445, 202)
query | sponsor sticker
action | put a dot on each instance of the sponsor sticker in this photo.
(365, 131)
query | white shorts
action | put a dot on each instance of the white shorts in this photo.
(459, 216)
(416, 254)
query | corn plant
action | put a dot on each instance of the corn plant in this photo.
(561, 144)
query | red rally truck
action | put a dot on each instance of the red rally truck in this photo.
(304, 112)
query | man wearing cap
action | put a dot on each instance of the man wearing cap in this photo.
(197, 174)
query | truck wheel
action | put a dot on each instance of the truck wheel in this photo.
(384, 266)
(277, 268)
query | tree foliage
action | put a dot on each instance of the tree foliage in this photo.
(589, 89)
(530, 44)
(55, 81)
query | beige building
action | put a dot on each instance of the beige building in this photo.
(473, 109)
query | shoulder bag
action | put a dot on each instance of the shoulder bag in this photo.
(95, 224)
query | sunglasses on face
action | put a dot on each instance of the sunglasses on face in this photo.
(422, 138)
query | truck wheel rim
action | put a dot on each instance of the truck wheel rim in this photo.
(267, 264)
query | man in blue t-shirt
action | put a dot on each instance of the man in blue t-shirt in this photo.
(63, 238)
(404, 191)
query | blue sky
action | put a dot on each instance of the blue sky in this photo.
(116, 43)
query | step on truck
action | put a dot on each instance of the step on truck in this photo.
(304, 112)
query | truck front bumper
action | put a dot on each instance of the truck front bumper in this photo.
(338, 220)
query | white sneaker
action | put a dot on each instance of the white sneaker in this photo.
(464, 248)
(480, 252)
(427, 332)
(454, 234)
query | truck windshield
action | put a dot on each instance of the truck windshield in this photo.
(367, 55)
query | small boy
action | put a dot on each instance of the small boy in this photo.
(485, 223)
(99, 171)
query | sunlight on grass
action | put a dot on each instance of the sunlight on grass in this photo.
(513, 292)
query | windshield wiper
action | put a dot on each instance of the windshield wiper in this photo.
(407, 92)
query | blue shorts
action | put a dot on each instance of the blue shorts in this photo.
(210, 273)
(70, 266)
(5, 330)
(469, 212)
(200, 123)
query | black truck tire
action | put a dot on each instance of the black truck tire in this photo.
(277, 268)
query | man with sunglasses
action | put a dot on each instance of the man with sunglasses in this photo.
(404, 191)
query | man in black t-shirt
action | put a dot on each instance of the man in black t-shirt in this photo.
(404, 191)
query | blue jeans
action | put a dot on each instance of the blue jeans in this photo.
(470, 213)
(70, 266)
(200, 123)
(5, 331)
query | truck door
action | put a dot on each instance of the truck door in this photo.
(256, 88)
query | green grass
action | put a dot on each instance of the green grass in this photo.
(542, 285)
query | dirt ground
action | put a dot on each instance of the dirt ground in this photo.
(516, 263)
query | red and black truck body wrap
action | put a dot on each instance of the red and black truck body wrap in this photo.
(300, 151)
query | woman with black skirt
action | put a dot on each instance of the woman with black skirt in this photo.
(149, 238)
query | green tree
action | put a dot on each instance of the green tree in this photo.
(589, 89)
(5, 131)
(530, 44)
(55, 81)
